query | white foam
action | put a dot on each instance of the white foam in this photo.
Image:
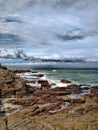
(54, 70)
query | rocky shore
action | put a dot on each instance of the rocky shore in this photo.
(28, 101)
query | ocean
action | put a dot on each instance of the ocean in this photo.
(85, 76)
(78, 76)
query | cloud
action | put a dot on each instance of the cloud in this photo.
(9, 39)
(10, 20)
(48, 27)
(15, 54)
(20, 54)
(70, 36)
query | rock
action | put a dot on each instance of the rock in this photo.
(51, 92)
(52, 84)
(45, 86)
(37, 111)
(20, 84)
(53, 107)
(65, 81)
(42, 81)
(3, 67)
(0, 102)
(30, 81)
(39, 75)
(85, 88)
(8, 92)
(29, 110)
(20, 71)
(20, 94)
(74, 88)
(30, 90)
(46, 109)
(2, 124)
(94, 90)
(80, 101)
(8, 81)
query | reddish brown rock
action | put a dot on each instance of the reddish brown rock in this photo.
(29, 110)
(65, 81)
(53, 107)
(52, 92)
(80, 101)
(45, 86)
(94, 90)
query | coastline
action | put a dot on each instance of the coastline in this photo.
(28, 97)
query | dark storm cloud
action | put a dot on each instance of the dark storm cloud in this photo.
(10, 20)
(68, 36)
(9, 39)
(67, 60)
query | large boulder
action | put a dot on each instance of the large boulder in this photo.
(42, 81)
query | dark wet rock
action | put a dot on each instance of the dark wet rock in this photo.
(3, 67)
(74, 88)
(30, 90)
(85, 88)
(65, 81)
(30, 81)
(42, 81)
(21, 71)
(39, 75)
(53, 84)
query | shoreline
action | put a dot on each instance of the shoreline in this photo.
(28, 94)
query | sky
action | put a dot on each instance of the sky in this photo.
(49, 32)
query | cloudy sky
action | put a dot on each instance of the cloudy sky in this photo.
(50, 30)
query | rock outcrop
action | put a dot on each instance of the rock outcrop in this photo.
(44, 108)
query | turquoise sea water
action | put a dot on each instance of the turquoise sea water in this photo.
(81, 76)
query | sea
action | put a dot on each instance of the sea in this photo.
(81, 76)
(84, 76)
(77, 76)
